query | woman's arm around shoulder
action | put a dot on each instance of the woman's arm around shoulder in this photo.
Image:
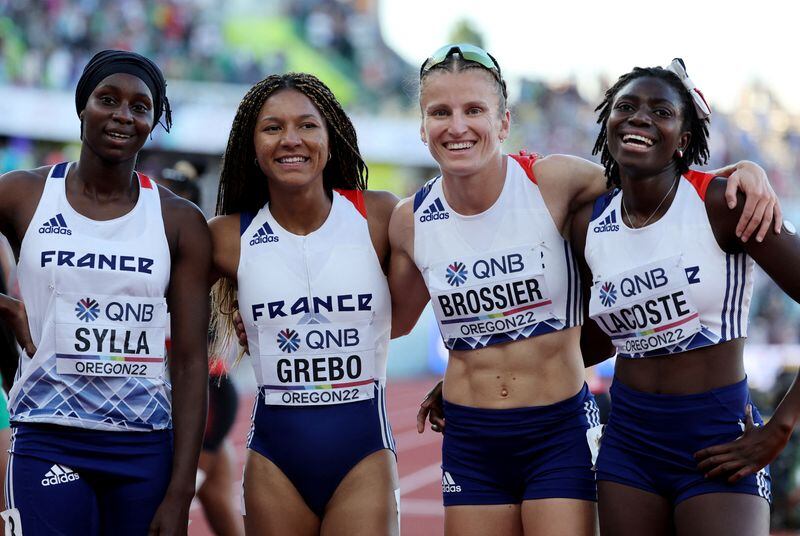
(409, 292)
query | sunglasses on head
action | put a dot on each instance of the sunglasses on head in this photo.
(466, 51)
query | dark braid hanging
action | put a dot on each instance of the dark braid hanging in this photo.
(696, 153)
(242, 185)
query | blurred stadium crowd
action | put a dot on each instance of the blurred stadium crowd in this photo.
(45, 43)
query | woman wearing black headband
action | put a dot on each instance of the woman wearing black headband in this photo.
(102, 252)
(671, 289)
(485, 243)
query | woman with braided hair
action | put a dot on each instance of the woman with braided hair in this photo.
(683, 451)
(304, 248)
(106, 429)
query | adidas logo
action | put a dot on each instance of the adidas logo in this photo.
(608, 225)
(59, 474)
(55, 225)
(264, 235)
(449, 485)
(435, 211)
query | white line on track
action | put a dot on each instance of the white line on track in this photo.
(421, 478)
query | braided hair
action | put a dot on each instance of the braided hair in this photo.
(243, 186)
(695, 153)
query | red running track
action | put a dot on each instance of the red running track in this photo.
(419, 458)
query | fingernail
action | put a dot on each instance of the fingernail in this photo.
(731, 204)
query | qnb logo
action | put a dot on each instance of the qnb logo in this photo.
(55, 225)
(608, 294)
(264, 235)
(87, 310)
(448, 484)
(288, 341)
(456, 274)
(435, 211)
(59, 474)
(608, 225)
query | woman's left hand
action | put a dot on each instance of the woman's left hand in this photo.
(761, 208)
(749, 453)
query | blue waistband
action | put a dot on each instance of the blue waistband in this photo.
(517, 416)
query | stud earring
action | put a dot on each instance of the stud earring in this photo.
(680, 152)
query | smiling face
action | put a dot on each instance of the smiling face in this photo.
(291, 139)
(461, 120)
(118, 117)
(646, 126)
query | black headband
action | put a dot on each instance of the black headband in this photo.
(108, 62)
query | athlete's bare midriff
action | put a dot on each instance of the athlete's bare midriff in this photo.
(695, 371)
(538, 371)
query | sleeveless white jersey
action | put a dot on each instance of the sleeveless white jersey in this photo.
(94, 292)
(667, 287)
(316, 308)
(503, 275)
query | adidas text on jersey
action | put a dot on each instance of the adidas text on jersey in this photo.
(264, 235)
(55, 225)
(435, 211)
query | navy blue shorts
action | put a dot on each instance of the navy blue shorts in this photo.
(506, 456)
(64, 480)
(650, 441)
(317, 446)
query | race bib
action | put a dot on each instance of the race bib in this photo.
(647, 308)
(99, 335)
(316, 364)
(489, 294)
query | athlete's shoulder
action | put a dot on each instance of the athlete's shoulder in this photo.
(26, 177)
(380, 204)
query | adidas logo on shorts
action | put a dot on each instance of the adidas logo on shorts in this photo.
(448, 484)
(264, 235)
(608, 225)
(435, 211)
(59, 474)
(55, 225)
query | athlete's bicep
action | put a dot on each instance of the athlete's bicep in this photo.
(187, 296)
(595, 344)
(225, 246)
(408, 289)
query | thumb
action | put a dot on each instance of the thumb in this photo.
(748, 416)
(731, 186)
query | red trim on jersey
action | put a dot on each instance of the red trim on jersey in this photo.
(527, 160)
(356, 197)
(145, 182)
(700, 181)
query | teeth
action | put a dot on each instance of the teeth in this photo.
(459, 145)
(118, 136)
(628, 137)
(292, 159)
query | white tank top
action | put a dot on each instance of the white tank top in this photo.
(94, 292)
(503, 275)
(316, 308)
(668, 287)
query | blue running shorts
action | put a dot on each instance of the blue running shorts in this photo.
(506, 456)
(650, 441)
(64, 480)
